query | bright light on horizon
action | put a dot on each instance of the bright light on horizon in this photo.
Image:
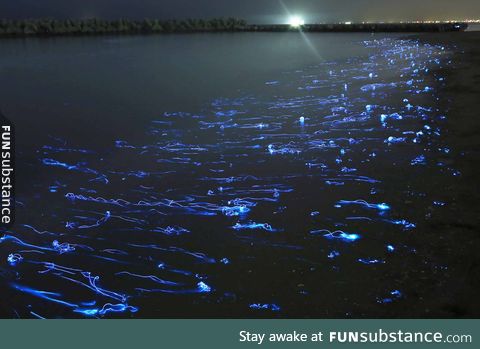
(296, 21)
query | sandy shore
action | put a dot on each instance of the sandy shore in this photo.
(456, 295)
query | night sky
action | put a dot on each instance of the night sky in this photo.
(258, 11)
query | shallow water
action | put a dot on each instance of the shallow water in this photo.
(241, 175)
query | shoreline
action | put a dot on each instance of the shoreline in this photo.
(447, 286)
(456, 295)
(95, 27)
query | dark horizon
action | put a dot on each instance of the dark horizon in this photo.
(254, 11)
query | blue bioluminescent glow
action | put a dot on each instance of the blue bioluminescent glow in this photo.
(380, 207)
(203, 287)
(394, 295)
(266, 306)
(394, 140)
(78, 167)
(235, 210)
(419, 160)
(370, 261)
(50, 296)
(14, 258)
(253, 225)
(16, 240)
(394, 116)
(171, 230)
(37, 315)
(225, 260)
(337, 235)
(407, 225)
(282, 149)
(99, 222)
(333, 254)
(153, 278)
(109, 307)
(62, 247)
(227, 203)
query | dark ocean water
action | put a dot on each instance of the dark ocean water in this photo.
(229, 175)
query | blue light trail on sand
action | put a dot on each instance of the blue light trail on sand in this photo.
(53, 297)
(369, 261)
(253, 225)
(116, 308)
(98, 223)
(407, 225)
(203, 287)
(380, 207)
(235, 210)
(337, 235)
(14, 258)
(44, 294)
(264, 306)
(333, 254)
(62, 247)
(24, 244)
(393, 296)
(171, 230)
(78, 167)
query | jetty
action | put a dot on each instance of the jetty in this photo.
(364, 27)
(83, 27)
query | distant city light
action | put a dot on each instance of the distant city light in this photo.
(296, 21)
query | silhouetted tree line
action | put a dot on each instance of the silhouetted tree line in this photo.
(49, 27)
(32, 27)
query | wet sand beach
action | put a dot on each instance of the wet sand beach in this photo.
(457, 295)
